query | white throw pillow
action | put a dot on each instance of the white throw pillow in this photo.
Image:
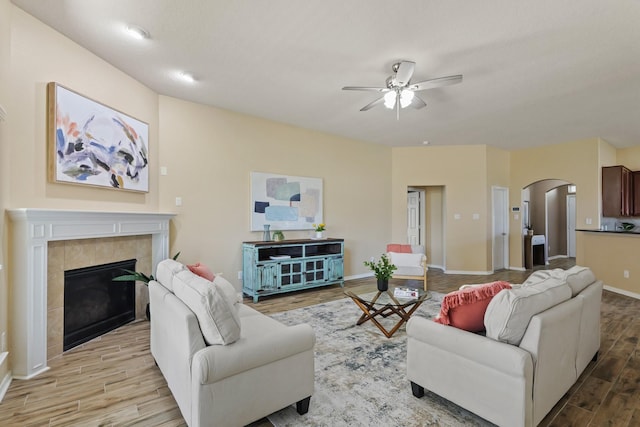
(509, 312)
(402, 259)
(542, 275)
(578, 278)
(228, 289)
(166, 271)
(216, 312)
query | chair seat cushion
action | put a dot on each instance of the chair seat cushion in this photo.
(465, 308)
(408, 271)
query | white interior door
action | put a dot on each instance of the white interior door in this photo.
(413, 218)
(571, 225)
(500, 228)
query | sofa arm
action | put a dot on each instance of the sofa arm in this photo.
(503, 357)
(456, 364)
(216, 362)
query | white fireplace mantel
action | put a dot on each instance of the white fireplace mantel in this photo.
(31, 230)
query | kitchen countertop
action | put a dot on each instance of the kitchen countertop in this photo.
(611, 231)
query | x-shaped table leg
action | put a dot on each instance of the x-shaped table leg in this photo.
(370, 312)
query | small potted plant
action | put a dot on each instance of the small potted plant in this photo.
(138, 276)
(383, 270)
(278, 236)
(319, 228)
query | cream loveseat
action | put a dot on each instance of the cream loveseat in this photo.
(225, 363)
(540, 336)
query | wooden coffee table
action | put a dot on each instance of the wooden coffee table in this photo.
(384, 304)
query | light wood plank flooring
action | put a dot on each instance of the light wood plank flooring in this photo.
(113, 380)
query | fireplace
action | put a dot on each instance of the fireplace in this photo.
(94, 304)
(34, 233)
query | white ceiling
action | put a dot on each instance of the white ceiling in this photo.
(535, 72)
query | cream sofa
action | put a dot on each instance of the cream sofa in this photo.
(267, 367)
(540, 336)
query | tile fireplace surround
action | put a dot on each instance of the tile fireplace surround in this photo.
(31, 231)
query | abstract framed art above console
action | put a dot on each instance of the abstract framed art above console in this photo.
(285, 202)
(93, 144)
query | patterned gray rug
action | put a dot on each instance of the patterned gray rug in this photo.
(361, 376)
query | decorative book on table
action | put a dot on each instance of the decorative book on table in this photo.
(405, 293)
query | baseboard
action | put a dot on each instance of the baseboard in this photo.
(6, 381)
(622, 292)
(511, 267)
(359, 276)
(479, 273)
(551, 258)
(438, 267)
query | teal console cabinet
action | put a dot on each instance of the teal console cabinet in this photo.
(289, 265)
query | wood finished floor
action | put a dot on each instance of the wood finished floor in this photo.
(113, 381)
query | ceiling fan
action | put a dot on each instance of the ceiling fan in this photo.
(400, 92)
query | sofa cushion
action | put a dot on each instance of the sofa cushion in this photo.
(228, 289)
(509, 312)
(202, 271)
(578, 278)
(465, 308)
(166, 271)
(215, 311)
(541, 276)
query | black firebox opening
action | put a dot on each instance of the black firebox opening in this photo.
(94, 304)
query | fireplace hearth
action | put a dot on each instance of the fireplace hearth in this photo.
(94, 304)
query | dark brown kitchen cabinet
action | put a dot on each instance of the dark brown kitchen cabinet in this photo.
(617, 191)
(636, 193)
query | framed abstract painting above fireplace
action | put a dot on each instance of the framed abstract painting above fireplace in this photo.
(93, 144)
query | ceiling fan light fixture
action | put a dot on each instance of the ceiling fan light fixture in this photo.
(406, 97)
(390, 99)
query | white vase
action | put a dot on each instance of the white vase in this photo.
(319, 234)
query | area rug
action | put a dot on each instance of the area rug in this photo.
(360, 375)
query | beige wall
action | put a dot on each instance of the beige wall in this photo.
(31, 55)
(5, 50)
(629, 157)
(434, 224)
(462, 171)
(577, 162)
(41, 55)
(209, 154)
(608, 255)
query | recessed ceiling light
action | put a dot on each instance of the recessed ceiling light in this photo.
(425, 142)
(186, 77)
(137, 32)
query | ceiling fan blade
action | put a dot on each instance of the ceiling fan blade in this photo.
(370, 89)
(417, 102)
(405, 72)
(372, 104)
(433, 83)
